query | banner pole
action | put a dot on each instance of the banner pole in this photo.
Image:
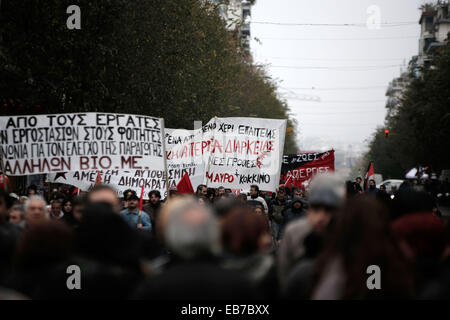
(163, 134)
(205, 178)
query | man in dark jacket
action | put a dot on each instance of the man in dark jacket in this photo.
(153, 207)
(278, 206)
(296, 210)
(373, 190)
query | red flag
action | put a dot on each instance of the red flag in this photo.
(141, 199)
(98, 180)
(370, 173)
(4, 181)
(185, 185)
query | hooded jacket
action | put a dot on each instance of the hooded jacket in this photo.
(292, 213)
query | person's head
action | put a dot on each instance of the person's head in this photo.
(201, 190)
(35, 210)
(105, 236)
(16, 214)
(254, 191)
(56, 207)
(421, 236)
(67, 206)
(155, 197)
(78, 205)
(259, 210)
(173, 191)
(372, 184)
(244, 232)
(326, 196)
(31, 190)
(382, 188)
(127, 193)
(221, 191)
(281, 194)
(358, 180)
(44, 245)
(133, 202)
(210, 194)
(192, 231)
(105, 194)
(297, 203)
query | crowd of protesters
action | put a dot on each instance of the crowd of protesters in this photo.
(290, 244)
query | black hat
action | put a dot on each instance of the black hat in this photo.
(133, 196)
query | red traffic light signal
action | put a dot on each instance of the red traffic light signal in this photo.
(386, 133)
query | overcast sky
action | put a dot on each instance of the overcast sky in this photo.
(343, 116)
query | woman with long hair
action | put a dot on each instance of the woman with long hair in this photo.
(360, 242)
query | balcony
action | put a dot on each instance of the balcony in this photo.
(245, 29)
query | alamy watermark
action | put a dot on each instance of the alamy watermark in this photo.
(374, 280)
(373, 21)
(74, 20)
(74, 280)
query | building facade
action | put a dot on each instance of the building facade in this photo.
(237, 14)
(434, 33)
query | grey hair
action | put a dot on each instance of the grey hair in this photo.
(190, 240)
(18, 207)
(34, 198)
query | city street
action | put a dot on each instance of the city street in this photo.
(229, 157)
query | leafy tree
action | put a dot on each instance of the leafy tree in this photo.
(166, 58)
(420, 130)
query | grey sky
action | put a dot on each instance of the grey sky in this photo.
(343, 120)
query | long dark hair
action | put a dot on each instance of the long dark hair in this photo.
(360, 238)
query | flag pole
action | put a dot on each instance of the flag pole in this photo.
(205, 177)
(140, 205)
(163, 142)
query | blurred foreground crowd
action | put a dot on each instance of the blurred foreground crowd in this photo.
(290, 244)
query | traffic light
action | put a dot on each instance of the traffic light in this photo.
(386, 133)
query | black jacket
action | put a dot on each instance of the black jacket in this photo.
(195, 280)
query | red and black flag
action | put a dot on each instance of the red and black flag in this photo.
(370, 174)
(298, 169)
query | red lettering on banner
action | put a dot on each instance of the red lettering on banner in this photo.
(31, 166)
(130, 162)
(220, 177)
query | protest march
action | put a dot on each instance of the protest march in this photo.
(232, 167)
(224, 159)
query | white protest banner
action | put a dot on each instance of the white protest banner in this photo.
(245, 151)
(80, 142)
(185, 152)
(122, 180)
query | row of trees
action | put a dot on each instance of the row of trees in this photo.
(166, 58)
(419, 132)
